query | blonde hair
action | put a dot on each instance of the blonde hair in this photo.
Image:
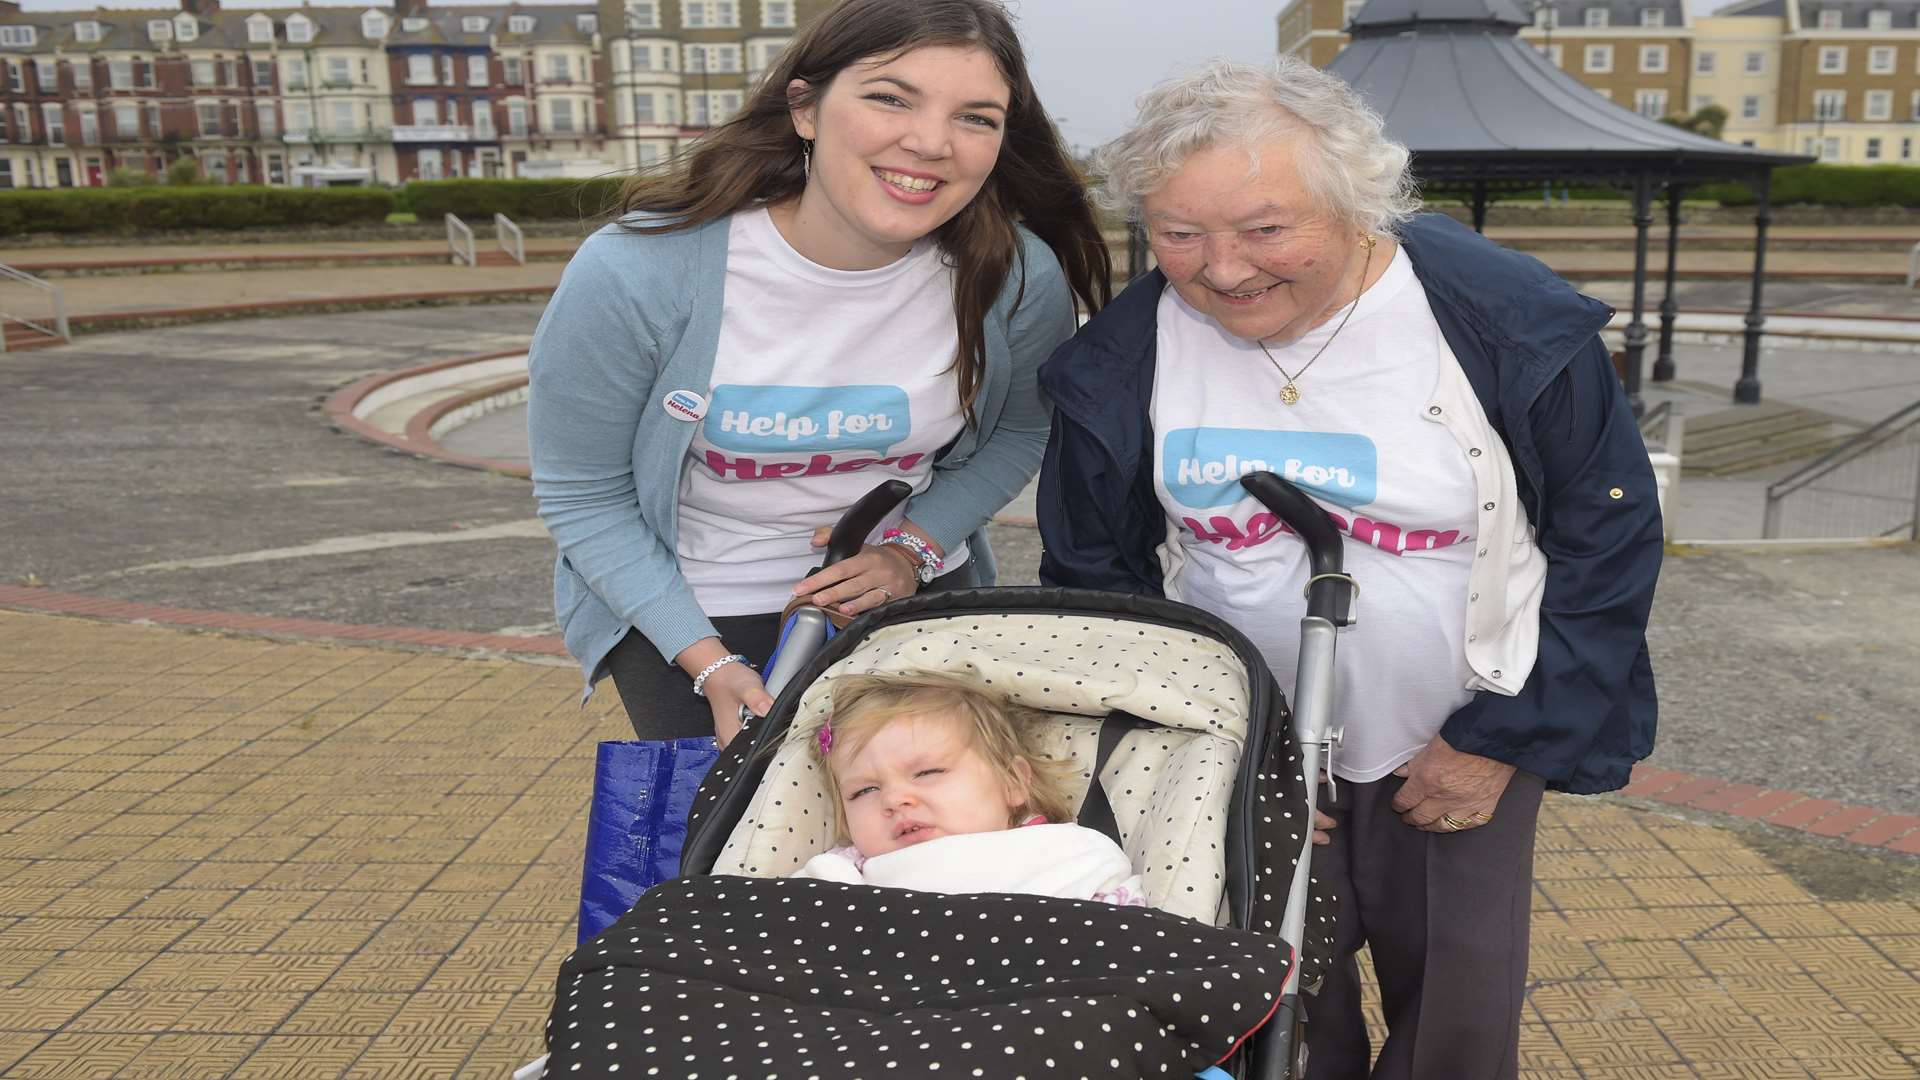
(998, 730)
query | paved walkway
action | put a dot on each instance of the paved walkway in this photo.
(227, 856)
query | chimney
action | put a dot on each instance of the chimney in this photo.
(202, 8)
(403, 9)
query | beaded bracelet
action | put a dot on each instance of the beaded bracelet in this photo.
(700, 680)
(930, 564)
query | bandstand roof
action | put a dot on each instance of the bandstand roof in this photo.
(1458, 87)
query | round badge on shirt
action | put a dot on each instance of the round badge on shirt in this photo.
(685, 405)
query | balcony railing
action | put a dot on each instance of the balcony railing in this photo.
(412, 133)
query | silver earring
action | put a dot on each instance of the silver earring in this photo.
(806, 159)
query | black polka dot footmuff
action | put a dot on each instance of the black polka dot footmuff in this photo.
(790, 979)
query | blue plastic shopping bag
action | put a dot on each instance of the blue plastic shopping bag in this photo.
(642, 792)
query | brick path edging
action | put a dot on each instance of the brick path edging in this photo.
(1866, 826)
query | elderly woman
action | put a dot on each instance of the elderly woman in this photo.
(1451, 406)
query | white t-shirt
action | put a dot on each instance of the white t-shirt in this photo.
(826, 383)
(1396, 487)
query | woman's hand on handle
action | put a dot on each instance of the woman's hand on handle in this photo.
(1449, 791)
(878, 574)
(728, 687)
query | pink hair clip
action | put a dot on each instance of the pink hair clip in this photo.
(826, 738)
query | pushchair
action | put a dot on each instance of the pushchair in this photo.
(1205, 778)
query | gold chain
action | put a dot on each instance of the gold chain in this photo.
(1289, 394)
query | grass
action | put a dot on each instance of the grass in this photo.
(403, 218)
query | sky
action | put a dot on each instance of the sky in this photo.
(1089, 58)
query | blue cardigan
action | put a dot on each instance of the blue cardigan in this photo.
(637, 317)
(1530, 346)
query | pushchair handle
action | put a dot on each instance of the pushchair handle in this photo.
(850, 534)
(1330, 590)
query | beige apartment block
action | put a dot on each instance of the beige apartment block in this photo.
(336, 96)
(1849, 78)
(1315, 30)
(1636, 53)
(1736, 65)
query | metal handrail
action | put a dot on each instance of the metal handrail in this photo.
(512, 240)
(1913, 264)
(1660, 426)
(460, 239)
(57, 328)
(1863, 443)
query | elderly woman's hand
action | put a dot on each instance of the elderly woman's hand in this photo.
(1449, 791)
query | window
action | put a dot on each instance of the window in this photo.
(477, 74)
(1830, 19)
(1652, 17)
(339, 71)
(1873, 149)
(6, 173)
(82, 74)
(1701, 101)
(510, 70)
(1833, 59)
(558, 70)
(696, 14)
(1880, 60)
(154, 130)
(1878, 105)
(1880, 20)
(159, 30)
(420, 69)
(642, 57)
(265, 116)
(260, 29)
(643, 15)
(120, 74)
(373, 25)
(143, 72)
(1653, 59)
(202, 73)
(1599, 59)
(263, 73)
(14, 82)
(778, 14)
(23, 122)
(89, 128)
(46, 74)
(56, 119)
(1914, 113)
(562, 113)
(1756, 63)
(1595, 17)
(705, 110)
(1704, 62)
(587, 24)
(296, 73)
(1829, 104)
(426, 111)
(1555, 54)
(299, 117)
(516, 118)
(713, 58)
(473, 24)
(483, 118)
(1750, 107)
(643, 109)
(343, 116)
(86, 30)
(126, 120)
(1906, 149)
(412, 24)
(299, 29)
(1546, 17)
(186, 28)
(1651, 104)
(209, 117)
(519, 24)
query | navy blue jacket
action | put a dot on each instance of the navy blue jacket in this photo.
(1530, 346)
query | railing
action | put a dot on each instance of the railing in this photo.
(56, 327)
(460, 239)
(512, 240)
(1868, 487)
(1913, 265)
(1661, 428)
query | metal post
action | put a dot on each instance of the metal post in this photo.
(1669, 307)
(1747, 390)
(1637, 325)
(1480, 206)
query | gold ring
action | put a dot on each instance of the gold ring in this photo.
(1482, 816)
(1454, 824)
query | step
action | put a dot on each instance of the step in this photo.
(21, 338)
(290, 261)
(494, 258)
(1727, 463)
(1759, 431)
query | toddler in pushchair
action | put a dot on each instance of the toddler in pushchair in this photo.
(782, 950)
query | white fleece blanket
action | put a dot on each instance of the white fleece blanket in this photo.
(1065, 861)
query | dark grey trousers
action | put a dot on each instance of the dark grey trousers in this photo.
(1446, 918)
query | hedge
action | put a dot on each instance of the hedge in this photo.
(521, 200)
(1829, 185)
(154, 209)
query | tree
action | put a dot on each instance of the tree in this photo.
(184, 172)
(1710, 121)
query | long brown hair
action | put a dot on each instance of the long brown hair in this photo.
(755, 159)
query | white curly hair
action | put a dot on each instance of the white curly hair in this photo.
(1346, 160)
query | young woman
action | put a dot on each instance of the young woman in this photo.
(854, 280)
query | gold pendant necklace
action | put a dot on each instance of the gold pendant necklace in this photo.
(1290, 393)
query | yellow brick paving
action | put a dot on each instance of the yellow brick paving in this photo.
(230, 856)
